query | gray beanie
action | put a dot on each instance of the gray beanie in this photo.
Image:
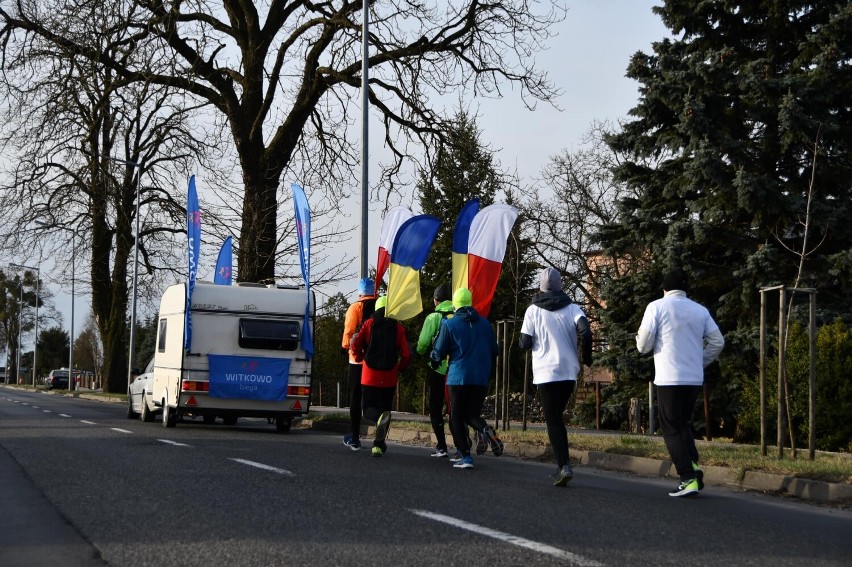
(550, 280)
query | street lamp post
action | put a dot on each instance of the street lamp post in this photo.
(35, 340)
(20, 324)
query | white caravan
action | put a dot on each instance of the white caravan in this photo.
(246, 357)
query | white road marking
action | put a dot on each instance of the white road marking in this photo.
(170, 442)
(120, 430)
(88, 422)
(36, 407)
(25, 403)
(46, 411)
(573, 558)
(64, 415)
(262, 466)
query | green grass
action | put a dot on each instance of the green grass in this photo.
(830, 467)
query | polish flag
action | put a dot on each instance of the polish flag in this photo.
(394, 219)
(486, 248)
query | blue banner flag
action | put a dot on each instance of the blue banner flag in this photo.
(224, 264)
(193, 234)
(249, 377)
(303, 236)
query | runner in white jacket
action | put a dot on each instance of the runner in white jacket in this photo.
(685, 339)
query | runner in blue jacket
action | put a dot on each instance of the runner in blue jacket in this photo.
(469, 341)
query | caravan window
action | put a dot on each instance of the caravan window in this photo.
(268, 334)
(161, 334)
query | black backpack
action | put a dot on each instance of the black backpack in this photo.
(382, 352)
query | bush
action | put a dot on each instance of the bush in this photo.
(833, 390)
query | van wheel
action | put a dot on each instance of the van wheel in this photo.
(209, 419)
(229, 420)
(130, 413)
(146, 414)
(283, 424)
(169, 417)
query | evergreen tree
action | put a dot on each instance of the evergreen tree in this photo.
(464, 169)
(329, 364)
(744, 119)
(53, 345)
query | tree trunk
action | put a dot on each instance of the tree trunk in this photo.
(110, 292)
(258, 239)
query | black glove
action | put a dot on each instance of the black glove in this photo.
(434, 364)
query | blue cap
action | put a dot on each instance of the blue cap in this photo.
(366, 287)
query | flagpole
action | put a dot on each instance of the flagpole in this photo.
(364, 139)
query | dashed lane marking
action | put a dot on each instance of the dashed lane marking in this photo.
(88, 422)
(572, 558)
(285, 472)
(175, 443)
(46, 411)
(120, 430)
(64, 415)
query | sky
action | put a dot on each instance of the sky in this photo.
(587, 62)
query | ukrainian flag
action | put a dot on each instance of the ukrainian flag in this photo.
(410, 249)
(461, 233)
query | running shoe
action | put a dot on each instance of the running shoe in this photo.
(699, 475)
(466, 462)
(481, 444)
(564, 475)
(353, 444)
(686, 488)
(439, 453)
(457, 457)
(382, 427)
(494, 441)
(377, 452)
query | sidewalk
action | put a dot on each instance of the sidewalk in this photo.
(836, 494)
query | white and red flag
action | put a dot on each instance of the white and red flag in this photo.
(486, 248)
(393, 220)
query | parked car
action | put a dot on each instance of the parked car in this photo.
(140, 403)
(57, 379)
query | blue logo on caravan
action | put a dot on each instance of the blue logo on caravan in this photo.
(248, 377)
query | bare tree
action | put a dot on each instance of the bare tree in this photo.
(576, 196)
(284, 77)
(87, 141)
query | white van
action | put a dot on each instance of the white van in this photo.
(246, 357)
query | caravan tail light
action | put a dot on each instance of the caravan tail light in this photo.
(193, 386)
(298, 390)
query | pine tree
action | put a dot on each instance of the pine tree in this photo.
(464, 170)
(722, 153)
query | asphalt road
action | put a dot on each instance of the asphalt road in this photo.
(83, 485)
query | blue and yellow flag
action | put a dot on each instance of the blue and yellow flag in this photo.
(410, 249)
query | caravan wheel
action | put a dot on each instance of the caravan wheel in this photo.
(169, 416)
(283, 424)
